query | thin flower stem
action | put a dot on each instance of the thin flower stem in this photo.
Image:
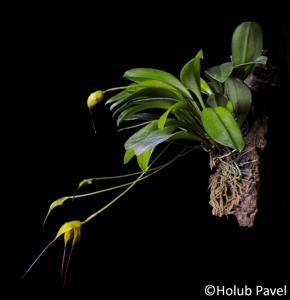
(182, 153)
(134, 126)
(117, 186)
(105, 190)
(113, 201)
(159, 155)
(153, 171)
(115, 89)
(115, 177)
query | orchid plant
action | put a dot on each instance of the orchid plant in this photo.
(206, 111)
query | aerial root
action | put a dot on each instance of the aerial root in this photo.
(227, 183)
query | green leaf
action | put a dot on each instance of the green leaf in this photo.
(157, 102)
(216, 86)
(247, 43)
(149, 88)
(243, 70)
(124, 94)
(143, 117)
(129, 154)
(150, 136)
(230, 107)
(185, 135)
(221, 126)
(145, 105)
(144, 158)
(220, 73)
(188, 121)
(215, 100)
(190, 76)
(146, 92)
(259, 60)
(154, 83)
(144, 74)
(240, 96)
(205, 88)
(162, 120)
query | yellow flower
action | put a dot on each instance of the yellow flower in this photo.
(95, 98)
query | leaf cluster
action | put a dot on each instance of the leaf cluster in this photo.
(209, 110)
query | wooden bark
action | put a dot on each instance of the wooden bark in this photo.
(255, 141)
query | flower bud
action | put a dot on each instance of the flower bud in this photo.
(95, 98)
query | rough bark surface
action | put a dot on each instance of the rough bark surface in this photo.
(255, 141)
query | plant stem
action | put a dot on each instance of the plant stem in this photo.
(115, 89)
(154, 171)
(115, 177)
(113, 201)
(131, 184)
(133, 126)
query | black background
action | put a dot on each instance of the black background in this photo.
(160, 239)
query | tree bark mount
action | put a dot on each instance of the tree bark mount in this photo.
(235, 179)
